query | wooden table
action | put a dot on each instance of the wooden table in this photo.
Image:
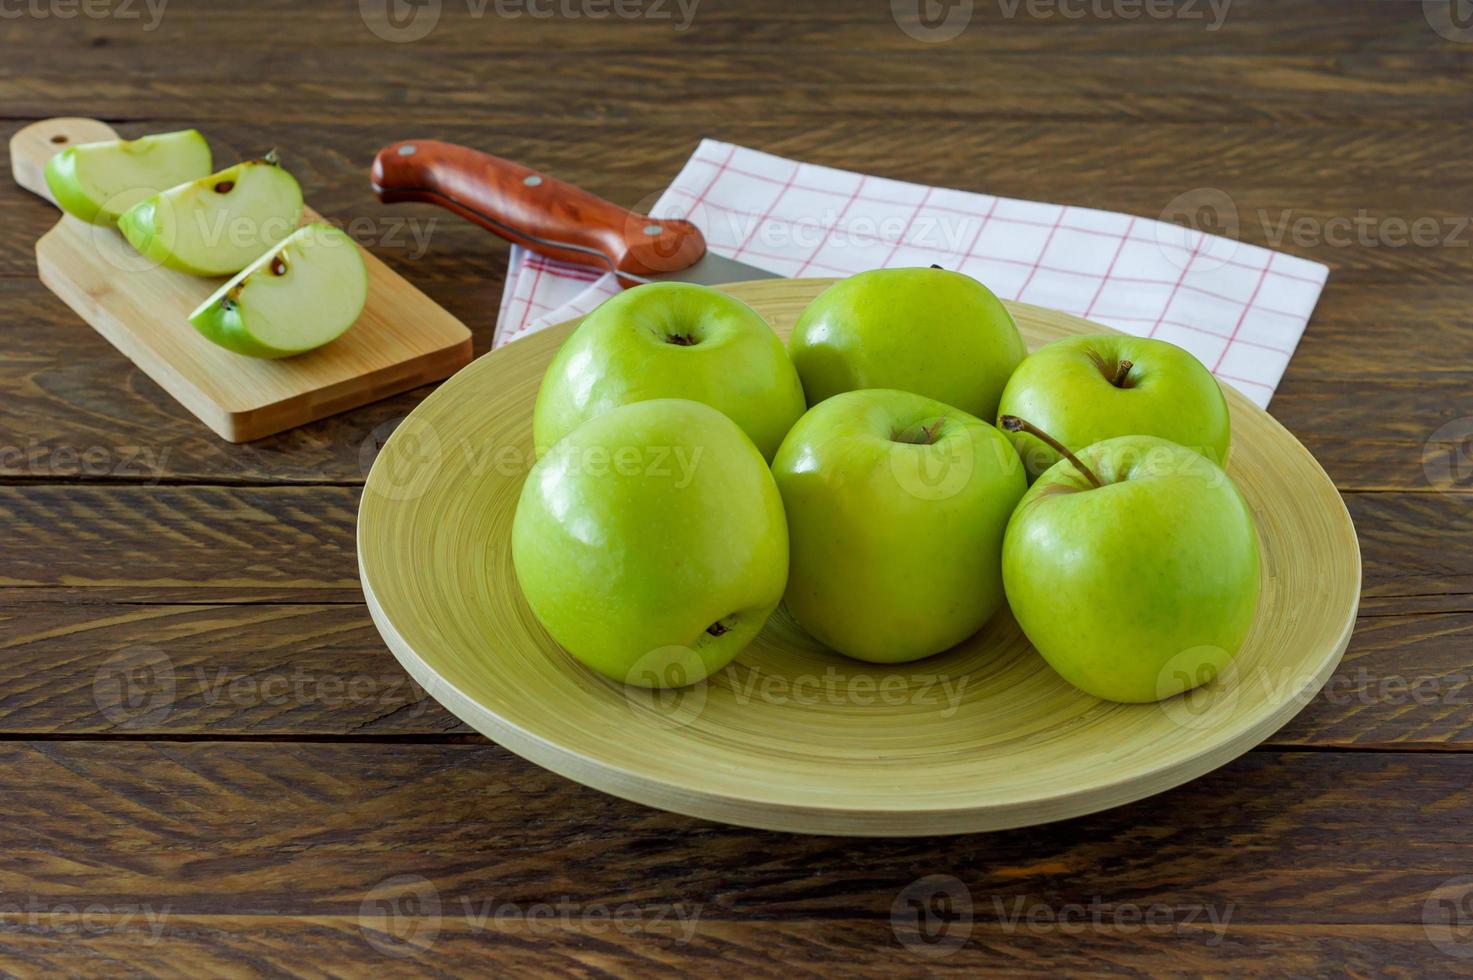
(211, 763)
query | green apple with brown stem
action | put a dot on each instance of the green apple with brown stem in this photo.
(1083, 390)
(1132, 566)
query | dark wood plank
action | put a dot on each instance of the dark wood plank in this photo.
(230, 544)
(259, 853)
(1268, 66)
(263, 853)
(1275, 177)
(1263, 26)
(1408, 553)
(152, 542)
(68, 394)
(275, 670)
(1289, 186)
(73, 407)
(204, 542)
(1405, 682)
(1383, 434)
(247, 670)
(451, 945)
(310, 829)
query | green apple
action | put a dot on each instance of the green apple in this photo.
(650, 542)
(303, 293)
(936, 333)
(1142, 586)
(1082, 390)
(896, 509)
(216, 225)
(97, 182)
(672, 340)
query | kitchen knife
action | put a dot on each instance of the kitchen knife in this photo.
(551, 217)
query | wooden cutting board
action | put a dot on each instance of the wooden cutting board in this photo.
(402, 340)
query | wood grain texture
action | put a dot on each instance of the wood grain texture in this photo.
(201, 542)
(292, 828)
(234, 544)
(318, 946)
(245, 670)
(1276, 176)
(271, 670)
(1298, 109)
(75, 408)
(401, 340)
(1278, 69)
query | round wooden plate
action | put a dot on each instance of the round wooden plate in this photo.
(793, 737)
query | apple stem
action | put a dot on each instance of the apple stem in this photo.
(1121, 373)
(925, 437)
(1014, 424)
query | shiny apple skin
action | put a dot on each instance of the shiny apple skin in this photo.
(626, 351)
(1066, 389)
(930, 331)
(1142, 588)
(643, 528)
(896, 546)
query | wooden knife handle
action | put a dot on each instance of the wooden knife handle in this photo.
(532, 209)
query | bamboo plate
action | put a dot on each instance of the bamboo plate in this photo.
(792, 737)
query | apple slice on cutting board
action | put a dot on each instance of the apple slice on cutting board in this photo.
(216, 225)
(99, 181)
(401, 340)
(300, 295)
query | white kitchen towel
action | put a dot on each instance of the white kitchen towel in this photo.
(1239, 308)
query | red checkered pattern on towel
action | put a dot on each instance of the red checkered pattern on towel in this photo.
(1239, 308)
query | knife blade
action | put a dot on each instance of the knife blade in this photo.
(710, 270)
(551, 217)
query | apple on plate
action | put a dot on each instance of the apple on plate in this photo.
(931, 331)
(1132, 567)
(1082, 390)
(896, 509)
(651, 543)
(216, 225)
(300, 295)
(97, 182)
(672, 340)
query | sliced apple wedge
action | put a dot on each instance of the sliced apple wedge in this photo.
(216, 225)
(298, 296)
(97, 182)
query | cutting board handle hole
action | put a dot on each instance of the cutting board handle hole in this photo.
(58, 138)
